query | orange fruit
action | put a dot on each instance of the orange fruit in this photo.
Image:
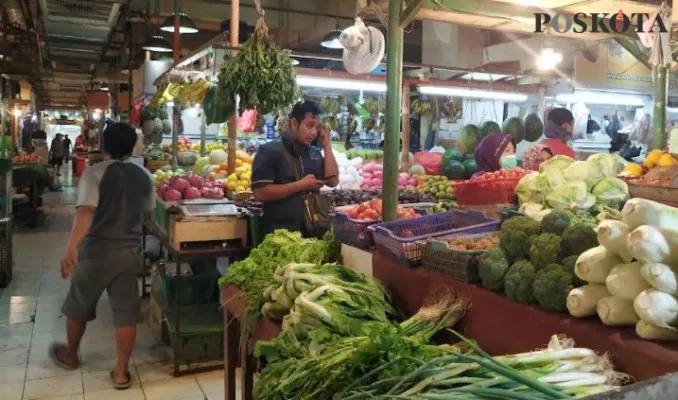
(212, 176)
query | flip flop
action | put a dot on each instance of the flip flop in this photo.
(122, 386)
(56, 358)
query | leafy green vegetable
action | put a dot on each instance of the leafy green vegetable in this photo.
(557, 163)
(572, 196)
(577, 239)
(518, 282)
(611, 191)
(545, 250)
(261, 74)
(551, 286)
(492, 268)
(516, 236)
(601, 166)
(526, 190)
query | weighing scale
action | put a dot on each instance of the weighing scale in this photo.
(208, 208)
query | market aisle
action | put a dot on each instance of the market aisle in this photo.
(30, 320)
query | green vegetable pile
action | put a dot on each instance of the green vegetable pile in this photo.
(586, 188)
(535, 261)
(261, 74)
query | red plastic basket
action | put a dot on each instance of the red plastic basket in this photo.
(477, 193)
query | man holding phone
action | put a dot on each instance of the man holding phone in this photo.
(275, 183)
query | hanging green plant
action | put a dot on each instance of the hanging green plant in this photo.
(261, 74)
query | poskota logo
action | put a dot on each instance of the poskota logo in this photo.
(598, 22)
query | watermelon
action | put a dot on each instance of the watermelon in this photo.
(470, 168)
(514, 126)
(469, 156)
(533, 127)
(454, 170)
(452, 154)
(469, 138)
(489, 127)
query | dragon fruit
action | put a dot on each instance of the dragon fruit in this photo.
(205, 192)
(172, 195)
(192, 193)
(180, 184)
(162, 188)
(195, 181)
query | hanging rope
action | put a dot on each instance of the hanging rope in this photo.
(260, 10)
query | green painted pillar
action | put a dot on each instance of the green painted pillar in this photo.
(394, 85)
(660, 83)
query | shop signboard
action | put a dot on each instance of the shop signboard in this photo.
(615, 69)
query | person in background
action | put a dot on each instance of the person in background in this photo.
(558, 131)
(80, 144)
(496, 151)
(56, 153)
(273, 180)
(67, 149)
(535, 155)
(104, 251)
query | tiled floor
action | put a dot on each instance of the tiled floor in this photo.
(30, 320)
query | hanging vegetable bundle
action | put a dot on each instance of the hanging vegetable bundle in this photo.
(261, 74)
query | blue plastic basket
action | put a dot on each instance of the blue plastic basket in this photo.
(398, 239)
(352, 231)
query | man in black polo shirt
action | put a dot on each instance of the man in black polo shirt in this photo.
(273, 180)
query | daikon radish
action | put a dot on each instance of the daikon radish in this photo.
(657, 308)
(582, 301)
(651, 332)
(650, 244)
(612, 235)
(614, 311)
(626, 282)
(661, 277)
(595, 264)
(637, 212)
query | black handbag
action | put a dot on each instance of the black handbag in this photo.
(592, 126)
(317, 206)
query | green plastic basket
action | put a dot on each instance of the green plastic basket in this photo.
(199, 288)
(161, 216)
(256, 229)
(201, 333)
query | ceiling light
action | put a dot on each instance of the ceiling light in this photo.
(483, 76)
(331, 40)
(599, 97)
(158, 44)
(294, 61)
(186, 25)
(479, 94)
(548, 59)
(347, 84)
(17, 112)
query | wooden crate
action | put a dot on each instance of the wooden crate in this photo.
(206, 229)
(662, 194)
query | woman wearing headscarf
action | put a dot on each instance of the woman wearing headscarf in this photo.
(496, 151)
(558, 131)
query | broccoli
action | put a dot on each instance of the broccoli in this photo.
(556, 222)
(518, 282)
(545, 250)
(551, 286)
(492, 267)
(577, 239)
(516, 236)
(569, 263)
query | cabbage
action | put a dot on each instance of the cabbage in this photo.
(531, 209)
(526, 190)
(417, 170)
(577, 171)
(217, 157)
(571, 196)
(611, 191)
(548, 180)
(601, 166)
(558, 162)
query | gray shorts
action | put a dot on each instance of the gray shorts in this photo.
(115, 272)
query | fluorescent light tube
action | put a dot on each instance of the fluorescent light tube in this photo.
(593, 97)
(479, 94)
(347, 84)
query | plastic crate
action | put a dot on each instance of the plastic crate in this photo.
(398, 239)
(199, 288)
(499, 191)
(201, 334)
(255, 224)
(161, 216)
(438, 257)
(352, 232)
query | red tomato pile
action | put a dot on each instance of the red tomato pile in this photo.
(501, 174)
(371, 211)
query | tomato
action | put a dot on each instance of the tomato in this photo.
(371, 214)
(362, 207)
(352, 213)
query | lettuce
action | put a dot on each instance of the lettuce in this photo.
(549, 180)
(573, 196)
(601, 166)
(577, 171)
(558, 162)
(526, 190)
(611, 191)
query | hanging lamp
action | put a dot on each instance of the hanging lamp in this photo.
(186, 25)
(331, 40)
(158, 44)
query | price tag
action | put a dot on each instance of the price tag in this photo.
(673, 141)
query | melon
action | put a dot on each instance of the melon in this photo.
(469, 138)
(470, 167)
(514, 127)
(533, 127)
(489, 127)
(454, 170)
(451, 154)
